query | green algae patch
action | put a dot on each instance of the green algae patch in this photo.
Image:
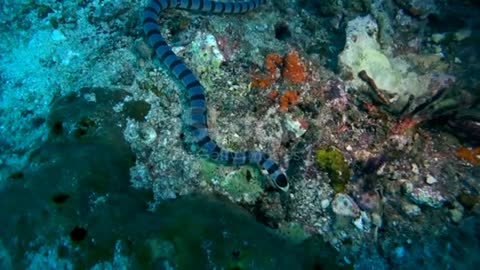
(244, 184)
(332, 160)
(77, 188)
(211, 233)
(209, 171)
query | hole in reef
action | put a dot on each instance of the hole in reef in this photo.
(282, 181)
(282, 32)
(80, 132)
(248, 175)
(317, 266)
(60, 198)
(83, 126)
(78, 234)
(16, 176)
(57, 128)
(236, 254)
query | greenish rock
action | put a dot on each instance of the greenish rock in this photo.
(244, 185)
(467, 200)
(332, 160)
(43, 11)
(209, 171)
(206, 55)
(54, 22)
(293, 231)
(77, 187)
(137, 109)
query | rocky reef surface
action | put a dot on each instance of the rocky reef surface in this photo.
(371, 106)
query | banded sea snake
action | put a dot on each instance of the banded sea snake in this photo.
(196, 93)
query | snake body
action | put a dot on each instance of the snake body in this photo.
(196, 93)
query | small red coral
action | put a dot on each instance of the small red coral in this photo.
(261, 82)
(471, 155)
(288, 98)
(272, 62)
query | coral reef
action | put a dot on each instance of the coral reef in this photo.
(81, 181)
(372, 107)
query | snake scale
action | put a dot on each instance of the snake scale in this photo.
(196, 92)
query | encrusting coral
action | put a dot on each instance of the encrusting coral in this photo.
(294, 69)
(290, 97)
(272, 62)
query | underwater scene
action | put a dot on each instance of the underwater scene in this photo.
(238, 135)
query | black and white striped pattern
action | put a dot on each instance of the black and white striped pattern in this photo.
(198, 106)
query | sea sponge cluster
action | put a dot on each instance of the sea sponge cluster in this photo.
(290, 69)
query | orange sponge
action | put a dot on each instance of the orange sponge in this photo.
(272, 62)
(471, 155)
(288, 98)
(293, 68)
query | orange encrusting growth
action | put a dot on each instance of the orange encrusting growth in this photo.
(471, 155)
(293, 69)
(272, 62)
(261, 82)
(288, 98)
